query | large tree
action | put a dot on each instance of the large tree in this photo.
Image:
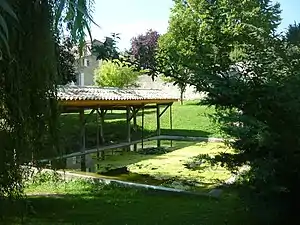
(143, 50)
(156, 55)
(234, 54)
(28, 79)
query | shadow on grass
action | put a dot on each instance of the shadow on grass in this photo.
(195, 102)
(117, 205)
(185, 132)
(114, 132)
(122, 114)
(114, 115)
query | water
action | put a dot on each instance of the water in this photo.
(125, 175)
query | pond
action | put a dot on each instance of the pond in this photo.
(171, 167)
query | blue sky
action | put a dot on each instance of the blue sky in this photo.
(132, 17)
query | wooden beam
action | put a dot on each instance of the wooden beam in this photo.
(102, 117)
(143, 121)
(82, 138)
(91, 113)
(134, 125)
(192, 139)
(102, 114)
(75, 109)
(134, 112)
(158, 125)
(98, 130)
(171, 123)
(98, 141)
(128, 126)
(164, 110)
(102, 148)
(107, 103)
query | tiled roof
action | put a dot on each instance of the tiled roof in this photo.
(72, 92)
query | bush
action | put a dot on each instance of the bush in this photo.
(115, 74)
(46, 177)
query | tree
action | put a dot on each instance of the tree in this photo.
(155, 55)
(28, 80)
(293, 34)
(235, 55)
(66, 61)
(108, 50)
(143, 51)
(115, 74)
(169, 62)
(181, 86)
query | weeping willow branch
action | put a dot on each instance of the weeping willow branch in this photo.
(28, 79)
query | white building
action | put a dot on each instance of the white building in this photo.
(86, 65)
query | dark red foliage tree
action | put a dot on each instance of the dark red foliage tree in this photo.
(143, 50)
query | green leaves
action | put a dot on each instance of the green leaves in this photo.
(60, 5)
(8, 9)
(3, 26)
(76, 14)
(251, 75)
(8, 13)
(115, 74)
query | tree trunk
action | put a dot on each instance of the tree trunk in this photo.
(182, 90)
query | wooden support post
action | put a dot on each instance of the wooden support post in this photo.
(82, 138)
(98, 130)
(102, 115)
(158, 125)
(135, 126)
(143, 121)
(128, 126)
(171, 123)
(98, 141)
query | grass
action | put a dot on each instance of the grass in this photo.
(189, 119)
(81, 202)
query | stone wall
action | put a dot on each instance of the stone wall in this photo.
(144, 81)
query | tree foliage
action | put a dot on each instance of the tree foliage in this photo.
(28, 79)
(251, 75)
(108, 49)
(115, 74)
(293, 34)
(169, 63)
(66, 61)
(156, 55)
(143, 51)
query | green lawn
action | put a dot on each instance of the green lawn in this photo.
(189, 119)
(80, 202)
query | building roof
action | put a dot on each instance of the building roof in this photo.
(90, 95)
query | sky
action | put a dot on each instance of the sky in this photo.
(133, 17)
